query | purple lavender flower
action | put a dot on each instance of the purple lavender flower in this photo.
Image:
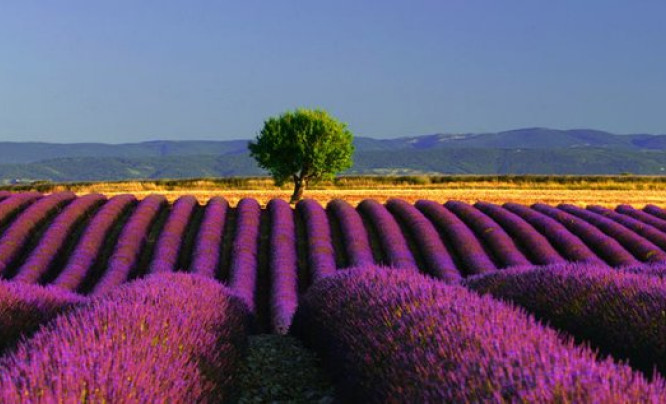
(604, 246)
(283, 265)
(321, 255)
(87, 249)
(393, 242)
(244, 251)
(399, 336)
(129, 243)
(641, 229)
(40, 259)
(171, 237)
(646, 218)
(15, 237)
(462, 240)
(498, 242)
(15, 202)
(206, 255)
(619, 313)
(533, 242)
(168, 338)
(570, 245)
(24, 307)
(655, 211)
(637, 245)
(354, 234)
(436, 256)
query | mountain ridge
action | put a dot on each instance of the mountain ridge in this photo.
(519, 151)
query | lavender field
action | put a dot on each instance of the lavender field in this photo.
(125, 300)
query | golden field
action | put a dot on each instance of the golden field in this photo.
(578, 190)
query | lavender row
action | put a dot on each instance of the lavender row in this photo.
(130, 243)
(321, 255)
(17, 234)
(462, 239)
(23, 308)
(88, 248)
(393, 243)
(617, 312)
(55, 237)
(167, 338)
(4, 195)
(652, 269)
(395, 335)
(604, 246)
(646, 218)
(571, 247)
(637, 245)
(354, 234)
(655, 211)
(14, 203)
(437, 258)
(505, 250)
(644, 230)
(244, 250)
(533, 242)
(171, 237)
(206, 255)
(282, 264)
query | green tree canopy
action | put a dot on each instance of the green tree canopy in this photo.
(303, 145)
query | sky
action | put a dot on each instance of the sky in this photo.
(129, 71)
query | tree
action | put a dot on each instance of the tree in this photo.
(303, 145)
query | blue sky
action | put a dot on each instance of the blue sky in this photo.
(126, 71)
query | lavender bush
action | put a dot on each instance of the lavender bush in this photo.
(321, 255)
(504, 249)
(10, 205)
(437, 258)
(604, 246)
(398, 336)
(462, 240)
(646, 218)
(619, 313)
(283, 265)
(243, 271)
(644, 230)
(534, 243)
(18, 233)
(206, 254)
(169, 338)
(637, 245)
(171, 237)
(24, 307)
(393, 242)
(570, 245)
(354, 234)
(652, 269)
(88, 247)
(655, 211)
(130, 242)
(53, 240)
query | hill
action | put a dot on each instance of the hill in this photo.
(522, 151)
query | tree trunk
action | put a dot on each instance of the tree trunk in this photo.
(299, 187)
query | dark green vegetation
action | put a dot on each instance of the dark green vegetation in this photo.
(303, 146)
(525, 151)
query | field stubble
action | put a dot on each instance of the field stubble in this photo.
(607, 198)
(578, 190)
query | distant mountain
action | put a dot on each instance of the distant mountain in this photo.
(29, 152)
(522, 151)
